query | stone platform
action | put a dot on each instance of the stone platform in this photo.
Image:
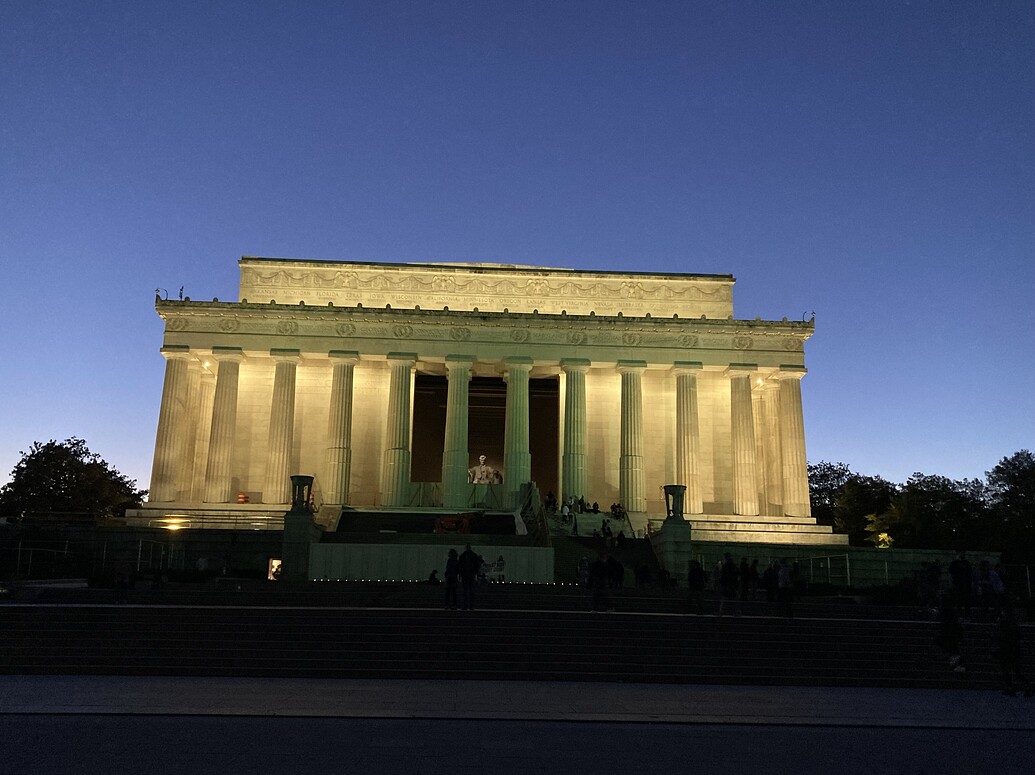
(735, 528)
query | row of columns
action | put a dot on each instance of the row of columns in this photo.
(767, 432)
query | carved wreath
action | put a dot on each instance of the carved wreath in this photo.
(177, 324)
(688, 340)
(742, 342)
(228, 325)
(577, 337)
(632, 339)
(345, 329)
(402, 332)
(460, 334)
(287, 327)
(519, 335)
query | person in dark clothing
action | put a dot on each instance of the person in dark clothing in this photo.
(770, 580)
(468, 566)
(961, 573)
(745, 578)
(598, 582)
(1007, 651)
(696, 581)
(950, 633)
(452, 576)
(727, 582)
(615, 573)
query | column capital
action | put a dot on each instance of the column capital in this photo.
(220, 354)
(460, 359)
(687, 367)
(631, 367)
(281, 354)
(174, 351)
(344, 356)
(399, 358)
(741, 370)
(580, 365)
(518, 360)
(790, 372)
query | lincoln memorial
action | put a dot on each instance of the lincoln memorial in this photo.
(392, 383)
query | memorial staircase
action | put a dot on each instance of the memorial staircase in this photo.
(519, 632)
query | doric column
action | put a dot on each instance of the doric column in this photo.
(742, 431)
(454, 450)
(277, 487)
(792, 439)
(395, 470)
(206, 399)
(189, 440)
(338, 467)
(773, 448)
(171, 420)
(573, 461)
(688, 435)
(224, 425)
(517, 460)
(631, 477)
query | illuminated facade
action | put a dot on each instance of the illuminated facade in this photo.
(389, 381)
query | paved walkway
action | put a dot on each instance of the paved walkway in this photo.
(515, 701)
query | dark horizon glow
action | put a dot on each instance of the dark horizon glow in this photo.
(872, 162)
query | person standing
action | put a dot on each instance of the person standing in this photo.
(452, 576)
(468, 566)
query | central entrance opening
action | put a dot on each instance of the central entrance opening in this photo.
(486, 426)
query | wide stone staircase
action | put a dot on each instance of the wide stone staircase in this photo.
(520, 632)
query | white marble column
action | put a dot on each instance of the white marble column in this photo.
(395, 470)
(171, 425)
(742, 431)
(454, 449)
(573, 459)
(277, 485)
(189, 441)
(338, 466)
(792, 438)
(517, 459)
(218, 481)
(773, 447)
(207, 395)
(688, 435)
(631, 476)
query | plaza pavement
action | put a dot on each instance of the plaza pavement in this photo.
(96, 725)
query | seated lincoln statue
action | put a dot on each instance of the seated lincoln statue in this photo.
(483, 474)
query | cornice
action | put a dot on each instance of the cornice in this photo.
(511, 328)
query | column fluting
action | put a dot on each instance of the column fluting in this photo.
(517, 459)
(395, 470)
(742, 431)
(631, 474)
(338, 459)
(573, 459)
(277, 486)
(224, 425)
(792, 438)
(454, 450)
(688, 435)
(171, 425)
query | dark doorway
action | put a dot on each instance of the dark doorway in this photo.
(486, 425)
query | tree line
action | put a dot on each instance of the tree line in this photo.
(996, 513)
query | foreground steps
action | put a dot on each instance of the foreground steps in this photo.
(483, 644)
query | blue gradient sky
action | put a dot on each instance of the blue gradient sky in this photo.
(873, 162)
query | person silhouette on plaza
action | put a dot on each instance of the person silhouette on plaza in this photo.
(468, 566)
(452, 577)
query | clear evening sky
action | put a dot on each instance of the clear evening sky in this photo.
(873, 162)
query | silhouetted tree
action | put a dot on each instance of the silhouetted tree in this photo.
(825, 482)
(1011, 495)
(934, 512)
(67, 478)
(859, 498)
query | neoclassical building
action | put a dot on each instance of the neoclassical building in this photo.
(388, 382)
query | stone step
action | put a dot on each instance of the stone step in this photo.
(497, 644)
(775, 537)
(760, 518)
(762, 527)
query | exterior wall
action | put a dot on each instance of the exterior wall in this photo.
(606, 318)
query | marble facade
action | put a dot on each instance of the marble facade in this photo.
(314, 370)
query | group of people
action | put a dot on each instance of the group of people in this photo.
(463, 572)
